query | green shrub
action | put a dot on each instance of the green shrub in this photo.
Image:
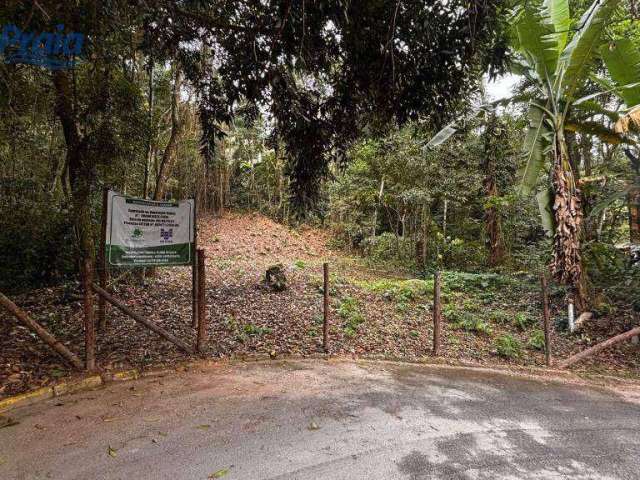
(37, 243)
(508, 346)
(402, 307)
(349, 310)
(470, 305)
(487, 298)
(500, 316)
(523, 320)
(347, 306)
(398, 290)
(470, 322)
(299, 264)
(536, 340)
(478, 283)
(251, 329)
(387, 247)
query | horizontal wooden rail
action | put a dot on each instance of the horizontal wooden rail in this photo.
(46, 337)
(140, 319)
(599, 347)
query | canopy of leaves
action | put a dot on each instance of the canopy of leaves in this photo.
(324, 71)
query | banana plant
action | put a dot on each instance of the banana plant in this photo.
(557, 63)
(623, 63)
(558, 66)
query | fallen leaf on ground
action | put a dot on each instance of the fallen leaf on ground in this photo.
(7, 421)
(111, 451)
(314, 426)
(219, 473)
(204, 426)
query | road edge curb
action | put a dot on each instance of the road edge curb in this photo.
(94, 381)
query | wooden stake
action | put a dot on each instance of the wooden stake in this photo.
(89, 315)
(46, 337)
(546, 320)
(437, 315)
(140, 319)
(202, 304)
(325, 326)
(194, 269)
(102, 262)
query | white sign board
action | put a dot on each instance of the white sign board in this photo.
(148, 233)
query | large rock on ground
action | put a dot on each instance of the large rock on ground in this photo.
(275, 278)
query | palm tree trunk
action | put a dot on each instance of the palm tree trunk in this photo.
(566, 265)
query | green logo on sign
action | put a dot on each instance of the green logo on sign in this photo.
(137, 234)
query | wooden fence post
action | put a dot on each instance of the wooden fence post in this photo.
(437, 315)
(102, 262)
(325, 326)
(194, 269)
(202, 304)
(89, 317)
(546, 320)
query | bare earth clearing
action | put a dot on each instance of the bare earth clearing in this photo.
(375, 313)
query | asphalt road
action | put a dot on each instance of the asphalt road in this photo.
(317, 420)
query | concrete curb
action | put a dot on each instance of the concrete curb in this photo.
(95, 381)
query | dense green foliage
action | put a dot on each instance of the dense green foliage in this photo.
(280, 105)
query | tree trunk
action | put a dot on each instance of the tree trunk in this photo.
(147, 165)
(633, 199)
(444, 221)
(171, 150)
(566, 265)
(587, 157)
(375, 212)
(493, 224)
(81, 178)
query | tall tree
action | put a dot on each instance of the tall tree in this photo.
(314, 67)
(493, 223)
(171, 150)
